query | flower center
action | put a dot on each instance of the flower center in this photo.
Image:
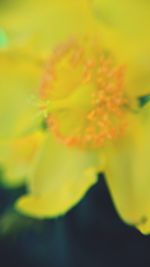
(83, 95)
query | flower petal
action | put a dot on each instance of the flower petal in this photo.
(128, 172)
(19, 81)
(126, 22)
(60, 179)
(46, 23)
(16, 158)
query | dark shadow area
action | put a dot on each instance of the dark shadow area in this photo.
(90, 235)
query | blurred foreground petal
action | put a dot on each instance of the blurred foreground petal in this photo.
(60, 179)
(128, 172)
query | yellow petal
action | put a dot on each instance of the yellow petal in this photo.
(130, 17)
(46, 23)
(16, 158)
(19, 81)
(128, 172)
(59, 180)
(127, 23)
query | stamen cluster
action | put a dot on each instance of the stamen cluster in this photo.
(76, 66)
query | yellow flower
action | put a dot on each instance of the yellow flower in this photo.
(96, 125)
(91, 100)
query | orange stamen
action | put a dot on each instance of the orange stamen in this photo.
(104, 118)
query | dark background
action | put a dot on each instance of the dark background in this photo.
(90, 235)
